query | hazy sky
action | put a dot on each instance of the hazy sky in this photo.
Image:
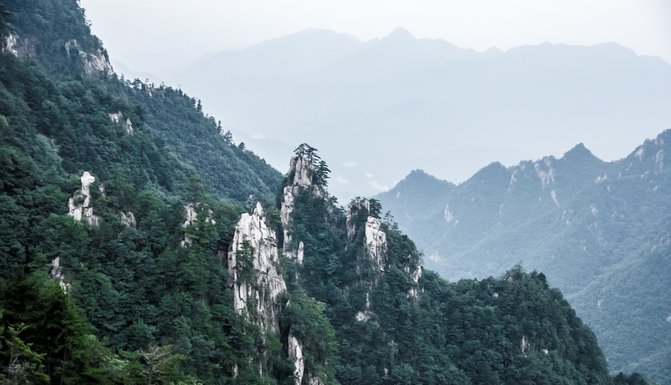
(153, 35)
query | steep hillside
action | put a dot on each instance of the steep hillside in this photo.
(100, 122)
(585, 223)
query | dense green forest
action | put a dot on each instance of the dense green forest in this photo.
(138, 289)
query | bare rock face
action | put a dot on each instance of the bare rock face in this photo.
(126, 124)
(376, 243)
(253, 265)
(190, 217)
(21, 47)
(10, 44)
(94, 62)
(300, 173)
(128, 219)
(366, 314)
(296, 355)
(79, 206)
(415, 274)
(57, 274)
(356, 206)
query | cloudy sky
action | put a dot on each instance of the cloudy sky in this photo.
(154, 35)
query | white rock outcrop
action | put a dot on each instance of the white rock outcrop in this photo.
(79, 206)
(57, 274)
(366, 314)
(126, 124)
(253, 265)
(300, 253)
(190, 217)
(376, 243)
(415, 275)
(299, 170)
(10, 44)
(659, 161)
(296, 355)
(545, 172)
(524, 345)
(94, 63)
(354, 207)
(128, 219)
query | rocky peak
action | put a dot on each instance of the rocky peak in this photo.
(299, 167)
(400, 35)
(254, 271)
(358, 210)
(579, 152)
(300, 176)
(79, 206)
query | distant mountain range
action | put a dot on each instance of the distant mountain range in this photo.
(600, 231)
(383, 107)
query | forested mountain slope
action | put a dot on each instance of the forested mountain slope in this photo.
(598, 230)
(131, 251)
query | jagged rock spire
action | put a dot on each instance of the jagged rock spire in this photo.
(79, 206)
(302, 169)
(254, 273)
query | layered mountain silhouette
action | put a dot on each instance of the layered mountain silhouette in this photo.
(599, 230)
(389, 105)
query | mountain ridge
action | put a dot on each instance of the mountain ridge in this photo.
(580, 220)
(546, 95)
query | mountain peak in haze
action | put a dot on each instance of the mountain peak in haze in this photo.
(579, 152)
(400, 34)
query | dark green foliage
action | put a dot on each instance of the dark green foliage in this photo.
(304, 319)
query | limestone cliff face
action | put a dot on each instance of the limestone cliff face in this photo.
(79, 206)
(415, 273)
(254, 271)
(191, 211)
(301, 376)
(120, 119)
(300, 177)
(295, 351)
(375, 239)
(376, 243)
(22, 47)
(10, 44)
(56, 273)
(128, 218)
(94, 62)
(258, 286)
(363, 212)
